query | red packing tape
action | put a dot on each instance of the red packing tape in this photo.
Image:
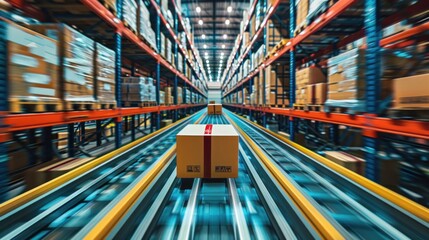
(208, 150)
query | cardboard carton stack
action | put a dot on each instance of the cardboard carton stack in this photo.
(105, 75)
(130, 14)
(138, 89)
(307, 77)
(27, 51)
(207, 151)
(409, 93)
(179, 95)
(275, 34)
(301, 13)
(111, 5)
(346, 75)
(214, 109)
(169, 99)
(145, 30)
(77, 58)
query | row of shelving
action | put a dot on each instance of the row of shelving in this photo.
(395, 32)
(257, 19)
(354, 63)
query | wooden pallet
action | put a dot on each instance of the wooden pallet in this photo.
(335, 109)
(420, 114)
(278, 106)
(106, 105)
(300, 107)
(139, 104)
(80, 105)
(34, 106)
(300, 28)
(127, 25)
(315, 107)
(108, 7)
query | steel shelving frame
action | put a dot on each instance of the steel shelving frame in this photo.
(369, 122)
(10, 123)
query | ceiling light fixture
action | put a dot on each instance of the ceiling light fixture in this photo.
(198, 9)
(204, 46)
(203, 36)
(200, 22)
(223, 45)
(229, 9)
(227, 22)
(225, 36)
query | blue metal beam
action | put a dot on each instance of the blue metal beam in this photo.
(118, 65)
(4, 171)
(372, 87)
(292, 67)
(176, 60)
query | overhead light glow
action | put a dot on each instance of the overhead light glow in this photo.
(206, 53)
(223, 45)
(204, 46)
(200, 22)
(198, 9)
(229, 9)
(225, 36)
(227, 22)
(222, 53)
(203, 36)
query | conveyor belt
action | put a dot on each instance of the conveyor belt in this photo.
(79, 203)
(355, 211)
(281, 193)
(241, 208)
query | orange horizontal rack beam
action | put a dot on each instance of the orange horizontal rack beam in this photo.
(409, 128)
(98, 8)
(18, 122)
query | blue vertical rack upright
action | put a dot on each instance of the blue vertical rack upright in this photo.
(292, 73)
(118, 64)
(176, 60)
(158, 69)
(372, 87)
(3, 109)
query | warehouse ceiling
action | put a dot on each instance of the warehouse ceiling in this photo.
(216, 25)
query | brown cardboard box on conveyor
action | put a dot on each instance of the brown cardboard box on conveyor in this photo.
(207, 151)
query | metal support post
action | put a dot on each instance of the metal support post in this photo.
(176, 60)
(334, 134)
(31, 136)
(291, 68)
(98, 129)
(158, 69)
(133, 127)
(70, 140)
(118, 65)
(82, 132)
(372, 88)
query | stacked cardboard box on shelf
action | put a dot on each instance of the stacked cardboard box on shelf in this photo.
(346, 76)
(275, 34)
(409, 92)
(110, 4)
(130, 14)
(77, 58)
(105, 75)
(308, 77)
(301, 13)
(145, 30)
(138, 89)
(25, 52)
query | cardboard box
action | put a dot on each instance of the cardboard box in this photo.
(207, 151)
(212, 102)
(348, 161)
(31, 61)
(218, 109)
(47, 171)
(411, 92)
(320, 93)
(210, 109)
(166, 122)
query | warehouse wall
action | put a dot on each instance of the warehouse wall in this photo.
(214, 95)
